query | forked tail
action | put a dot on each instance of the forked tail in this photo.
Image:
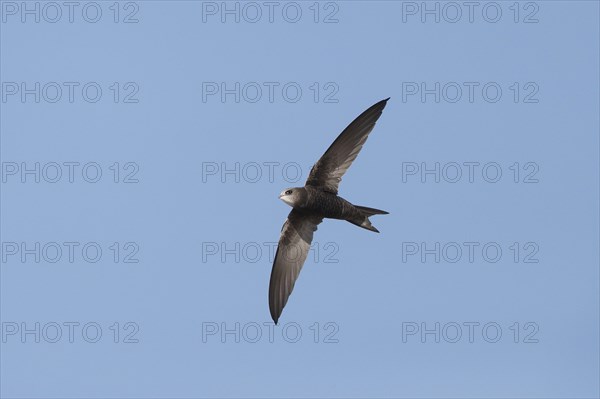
(364, 221)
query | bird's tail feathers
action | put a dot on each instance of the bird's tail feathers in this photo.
(364, 222)
(370, 211)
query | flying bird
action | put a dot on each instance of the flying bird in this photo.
(319, 199)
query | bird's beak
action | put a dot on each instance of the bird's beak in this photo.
(280, 195)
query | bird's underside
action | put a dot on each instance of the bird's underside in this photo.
(315, 201)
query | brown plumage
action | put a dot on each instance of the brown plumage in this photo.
(317, 200)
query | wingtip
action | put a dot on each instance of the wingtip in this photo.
(382, 103)
(275, 318)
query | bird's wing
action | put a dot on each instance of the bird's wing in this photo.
(294, 244)
(328, 171)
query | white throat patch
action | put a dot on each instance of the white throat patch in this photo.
(288, 200)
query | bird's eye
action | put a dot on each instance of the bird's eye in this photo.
(288, 192)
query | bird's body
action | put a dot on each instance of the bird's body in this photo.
(331, 206)
(319, 199)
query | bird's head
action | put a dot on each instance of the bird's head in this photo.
(293, 196)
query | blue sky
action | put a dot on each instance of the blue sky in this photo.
(143, 148)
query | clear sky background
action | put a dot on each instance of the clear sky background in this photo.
(397, 314)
